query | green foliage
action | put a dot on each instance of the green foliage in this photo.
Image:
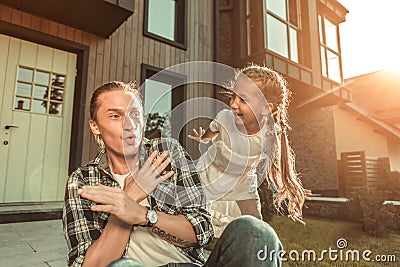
(157, 125)
(378, 219)
(155, 121)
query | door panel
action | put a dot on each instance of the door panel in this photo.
(34, 167)
(6, 119)
(34, 157)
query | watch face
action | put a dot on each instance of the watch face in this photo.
(152, 216)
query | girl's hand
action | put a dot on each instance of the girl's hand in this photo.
(115, 201)
(149, 176)
(198, 136)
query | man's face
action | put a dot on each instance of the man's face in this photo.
(119, 120)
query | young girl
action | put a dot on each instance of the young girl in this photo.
(250, 144)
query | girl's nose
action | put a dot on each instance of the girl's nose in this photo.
(234, 102)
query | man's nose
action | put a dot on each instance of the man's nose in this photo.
(130, 124)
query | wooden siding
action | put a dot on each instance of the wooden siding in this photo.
(120, 56)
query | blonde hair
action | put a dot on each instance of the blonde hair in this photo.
(282, 169)
(107, 87)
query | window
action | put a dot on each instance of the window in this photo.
(248, 28)
(329, 44)
(166, 21)
(282, 28)
(39, 91)
(162, 93)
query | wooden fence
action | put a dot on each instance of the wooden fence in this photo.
(356, 170)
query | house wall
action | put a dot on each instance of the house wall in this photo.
(353, 134)
(120, 56)
(313, 141)
(394, 153)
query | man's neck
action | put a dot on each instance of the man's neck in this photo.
(122, 165)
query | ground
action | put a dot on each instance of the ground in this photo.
(318, 234)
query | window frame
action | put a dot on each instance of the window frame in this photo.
(33, 83)
(288, 25)
(178, 95)
(325, 49)
(180, 29)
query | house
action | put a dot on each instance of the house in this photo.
(300, 39)
(368, 133)
(69, 47)
(55, 53)
(378, 93)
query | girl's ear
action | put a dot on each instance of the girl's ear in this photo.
(268, 109)
(94, 127)
(271, 107)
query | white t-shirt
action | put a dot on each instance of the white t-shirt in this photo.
(148, 248)
(120, 178)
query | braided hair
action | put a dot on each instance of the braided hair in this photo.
(282, 170)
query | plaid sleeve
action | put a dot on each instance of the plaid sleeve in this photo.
(201, 221)
(190, 194)
(78, 221)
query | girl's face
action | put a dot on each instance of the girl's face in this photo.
(120, 121)
(248, 104)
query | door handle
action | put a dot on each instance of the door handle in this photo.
(7, 127)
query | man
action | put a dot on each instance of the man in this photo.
(127, 203)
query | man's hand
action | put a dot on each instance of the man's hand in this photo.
(139, 185)
(115, 201)
(124, 204)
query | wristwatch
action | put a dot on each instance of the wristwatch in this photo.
(152, 218)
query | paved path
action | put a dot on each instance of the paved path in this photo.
(32, 244)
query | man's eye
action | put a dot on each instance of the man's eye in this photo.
(115, 116)
(134, 115)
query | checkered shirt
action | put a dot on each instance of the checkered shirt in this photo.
(180, 194)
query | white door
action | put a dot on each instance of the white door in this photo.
(36, 98)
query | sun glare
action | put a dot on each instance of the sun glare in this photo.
(393, 65)
(370, 44)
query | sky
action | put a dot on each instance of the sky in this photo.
(370, 36)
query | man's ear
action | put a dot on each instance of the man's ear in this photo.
(94, 127)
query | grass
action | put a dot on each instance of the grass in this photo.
(319, 234)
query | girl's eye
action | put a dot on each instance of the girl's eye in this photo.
(243, 100)
(229, 95)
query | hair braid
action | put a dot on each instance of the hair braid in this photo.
(283, 169)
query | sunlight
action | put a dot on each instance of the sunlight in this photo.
(370, 44)
(393, 66)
